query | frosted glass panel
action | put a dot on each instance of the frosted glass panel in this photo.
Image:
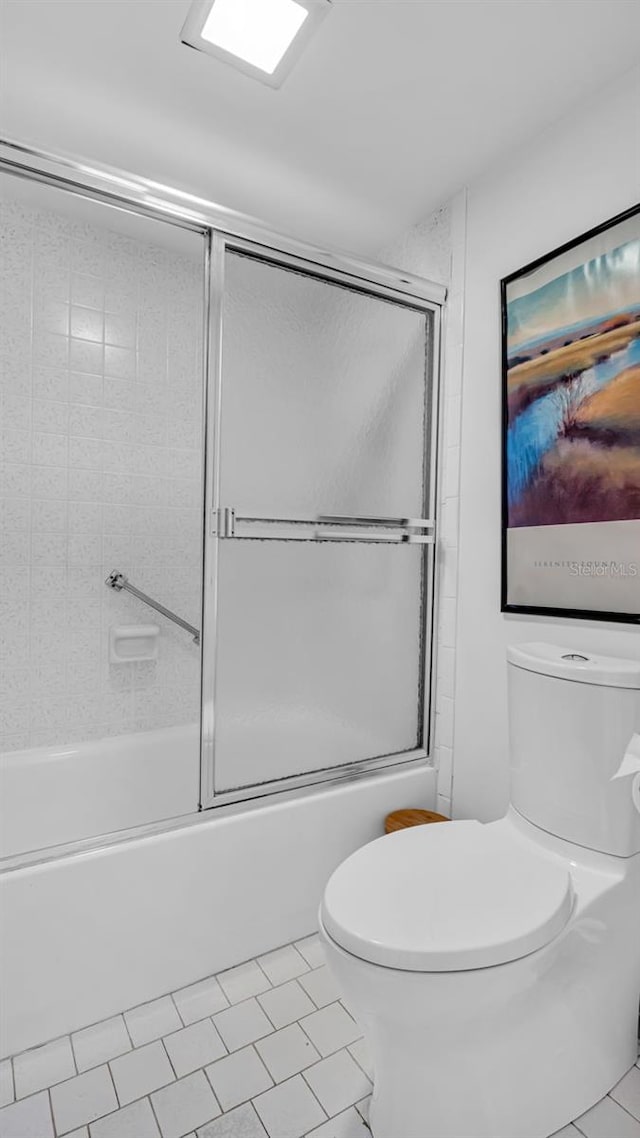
(318, 657)
(323, 402)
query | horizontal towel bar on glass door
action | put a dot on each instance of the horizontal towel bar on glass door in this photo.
(325, 527)
(119, 581)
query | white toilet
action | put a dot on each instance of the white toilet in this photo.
(495, 969)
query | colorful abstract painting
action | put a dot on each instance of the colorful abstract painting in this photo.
(571, 446)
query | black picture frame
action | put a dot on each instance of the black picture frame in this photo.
(540, 609)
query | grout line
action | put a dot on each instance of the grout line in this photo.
(215, 1097)
(126, 1028)
(283, 1084)
(13, 1079)
(53, 1120)
(361, 1115)
(626, 1110)
(342, 1047)
(113, 1083)
(310, 1088)
(357, 1061)
(318, 1007)
(153, 1111)
(170, 995)
(345, 1009)
(265, 1012)
(264, 1065)
(73, 1051)
(254, 960)
(299, 1022)
(166, 1051)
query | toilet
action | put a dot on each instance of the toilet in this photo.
(495, 968)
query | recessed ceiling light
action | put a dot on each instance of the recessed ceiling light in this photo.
(263, 38)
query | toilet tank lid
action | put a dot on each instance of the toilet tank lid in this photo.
(569, 663)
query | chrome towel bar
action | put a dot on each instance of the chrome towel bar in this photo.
(227, 523)
(119, 581)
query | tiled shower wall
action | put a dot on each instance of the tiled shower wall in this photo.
(101, 411)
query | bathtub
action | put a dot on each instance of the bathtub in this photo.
(53, 795)
(91, 932)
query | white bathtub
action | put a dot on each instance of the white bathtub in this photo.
(53, 795)
(88, 935)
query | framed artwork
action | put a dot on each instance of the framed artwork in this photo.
(571, 428)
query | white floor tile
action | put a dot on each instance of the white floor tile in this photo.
(152, 1021)
(286, 1004)
(321, 986)
(141, 1071)
(331, 1028)
(242, 1024)
(608, 1120)
(101, 1042)
(6, 1082)
(316, 1055)
(30, 1118)
(244, 981)
(338, 1082)
(627, 1092)
(134, 1121)
(287, 1052)
(83, 1099)
(200, 1000)
(289, 1110)
(185, 1105)
(360, 1053)
(243, 1122)
(313, 950)
(193, 1047)
(239, 1077)
(43, 1066)
(283, 964)
(349, 1124)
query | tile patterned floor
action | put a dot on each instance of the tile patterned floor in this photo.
(264, 1050)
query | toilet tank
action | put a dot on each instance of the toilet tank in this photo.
(572, 716)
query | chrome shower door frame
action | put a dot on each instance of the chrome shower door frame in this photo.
(224, 229)
(376, 282)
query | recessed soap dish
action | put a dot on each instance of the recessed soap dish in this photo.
(133, 642)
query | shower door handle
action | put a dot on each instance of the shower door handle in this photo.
(228, 524)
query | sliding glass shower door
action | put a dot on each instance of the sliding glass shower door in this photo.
(320, 546)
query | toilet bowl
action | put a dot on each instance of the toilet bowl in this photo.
(495, 968)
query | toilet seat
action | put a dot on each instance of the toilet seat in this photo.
(445, 898)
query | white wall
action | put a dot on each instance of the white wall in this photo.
(577, 174)
(435, 249)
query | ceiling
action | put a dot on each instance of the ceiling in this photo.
(394, 105)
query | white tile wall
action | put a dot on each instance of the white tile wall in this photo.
(101, 442)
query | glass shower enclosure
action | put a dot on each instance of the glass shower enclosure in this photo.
(282, 400)
(321, 528)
